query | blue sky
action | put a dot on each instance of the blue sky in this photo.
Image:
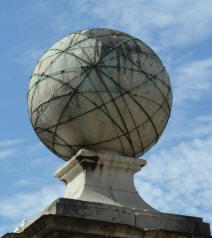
(177, 178)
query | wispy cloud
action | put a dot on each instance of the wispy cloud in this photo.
(6, 153)
(172, 23)
(24, 182)
(193, 80)
(5, 143)
(29, 204)
(178, 179)
(8, 147)
(200, 127)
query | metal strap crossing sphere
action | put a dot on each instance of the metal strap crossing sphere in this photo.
(99, 89)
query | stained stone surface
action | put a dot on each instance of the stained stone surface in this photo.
(69, 218)
(99, 89)
(104, 177)
(51, 226)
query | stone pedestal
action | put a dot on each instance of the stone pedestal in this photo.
(104, 177)
(101, 201)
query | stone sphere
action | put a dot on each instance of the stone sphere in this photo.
(99, 89)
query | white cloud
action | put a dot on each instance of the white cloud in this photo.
(5, 143)
(202, 127)
(20, 206)
(161, 23)
(29, 204)
(205, 119)
(187, 129)
(24, 182)
(178, 179)
(6, 153)
(193, 80)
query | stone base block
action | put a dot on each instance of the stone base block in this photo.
(75, 218)
(53, 226)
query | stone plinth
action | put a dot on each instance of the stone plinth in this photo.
(104, 177)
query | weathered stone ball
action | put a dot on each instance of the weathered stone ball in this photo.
(99, 89)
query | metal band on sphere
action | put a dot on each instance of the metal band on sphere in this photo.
(99, 89)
